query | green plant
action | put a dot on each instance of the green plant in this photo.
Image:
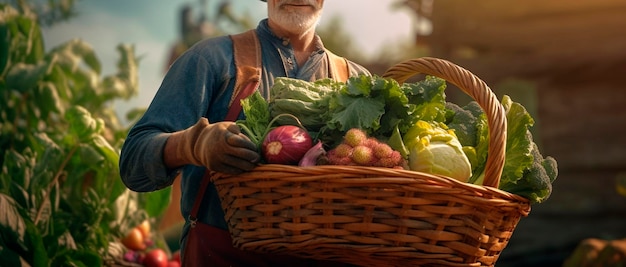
(62, 201)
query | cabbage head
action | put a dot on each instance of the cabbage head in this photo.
(435, 149)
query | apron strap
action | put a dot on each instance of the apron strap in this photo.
(339, 68)
(247, 55)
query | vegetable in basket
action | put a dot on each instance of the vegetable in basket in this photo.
(526, 172)
(374, 104)
(286, 144)
(387, 111)
(433, 148)
(306, 100)
(357, 149)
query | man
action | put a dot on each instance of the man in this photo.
(183, 130)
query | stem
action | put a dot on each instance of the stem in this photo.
(288, 115)
(249, 133)
(54, 181)
(259, 139)
(269, 125)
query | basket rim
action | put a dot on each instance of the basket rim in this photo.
(380, 175)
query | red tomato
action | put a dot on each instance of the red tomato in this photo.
(155, 258)
(134, 240)
(173, 263)
(176, 256)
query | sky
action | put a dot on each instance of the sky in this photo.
(151, 26)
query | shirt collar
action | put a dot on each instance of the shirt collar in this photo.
(263, 30)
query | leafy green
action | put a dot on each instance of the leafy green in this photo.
(362, 104)
(257, 120)
(382, 106)
(519, 142)
(536, 180)
(305, 100)
(428, 99)
(469, 124)
(377, 105)
(525, 172)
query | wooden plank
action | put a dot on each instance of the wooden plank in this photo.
(497, 9)
(528, 33)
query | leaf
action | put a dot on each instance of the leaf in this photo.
(89, 155)
(82, 124)
(5, 46)
(49, 160)
(48, 100)
(358, 112)
(24, 77)
(11, 222)
(30, 28)
(519, 142)
(60, 81)
(256, 123)
(8, 256)
(428, 96)
(36, 246)
(19, 194)
(78, 258)
(155, 203)
(111, 156)
(75, 52)
(105, 150)
(17, 168)
(128, 69)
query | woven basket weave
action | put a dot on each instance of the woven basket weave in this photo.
(372, 216)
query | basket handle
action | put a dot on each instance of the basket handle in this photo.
(478, 90)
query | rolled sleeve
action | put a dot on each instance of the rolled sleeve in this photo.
(143, 170)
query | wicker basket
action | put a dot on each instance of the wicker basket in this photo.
(371, 216)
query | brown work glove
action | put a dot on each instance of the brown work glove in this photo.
(220, 147)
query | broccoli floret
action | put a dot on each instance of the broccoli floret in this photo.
(551, 167)
(464, 122)
(536, 182)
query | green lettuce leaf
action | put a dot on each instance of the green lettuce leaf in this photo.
(519, 141)
(257, 120)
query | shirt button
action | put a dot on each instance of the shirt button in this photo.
(290, 61)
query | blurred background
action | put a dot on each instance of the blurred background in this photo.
(564, 60)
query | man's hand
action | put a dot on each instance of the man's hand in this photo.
(220, 147)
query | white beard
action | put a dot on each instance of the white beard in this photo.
(297, 22)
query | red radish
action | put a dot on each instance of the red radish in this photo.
(286, 144)
(155, 258)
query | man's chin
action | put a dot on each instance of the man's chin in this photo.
(296, 23)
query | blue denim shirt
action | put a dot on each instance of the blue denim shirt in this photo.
(199, 84)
